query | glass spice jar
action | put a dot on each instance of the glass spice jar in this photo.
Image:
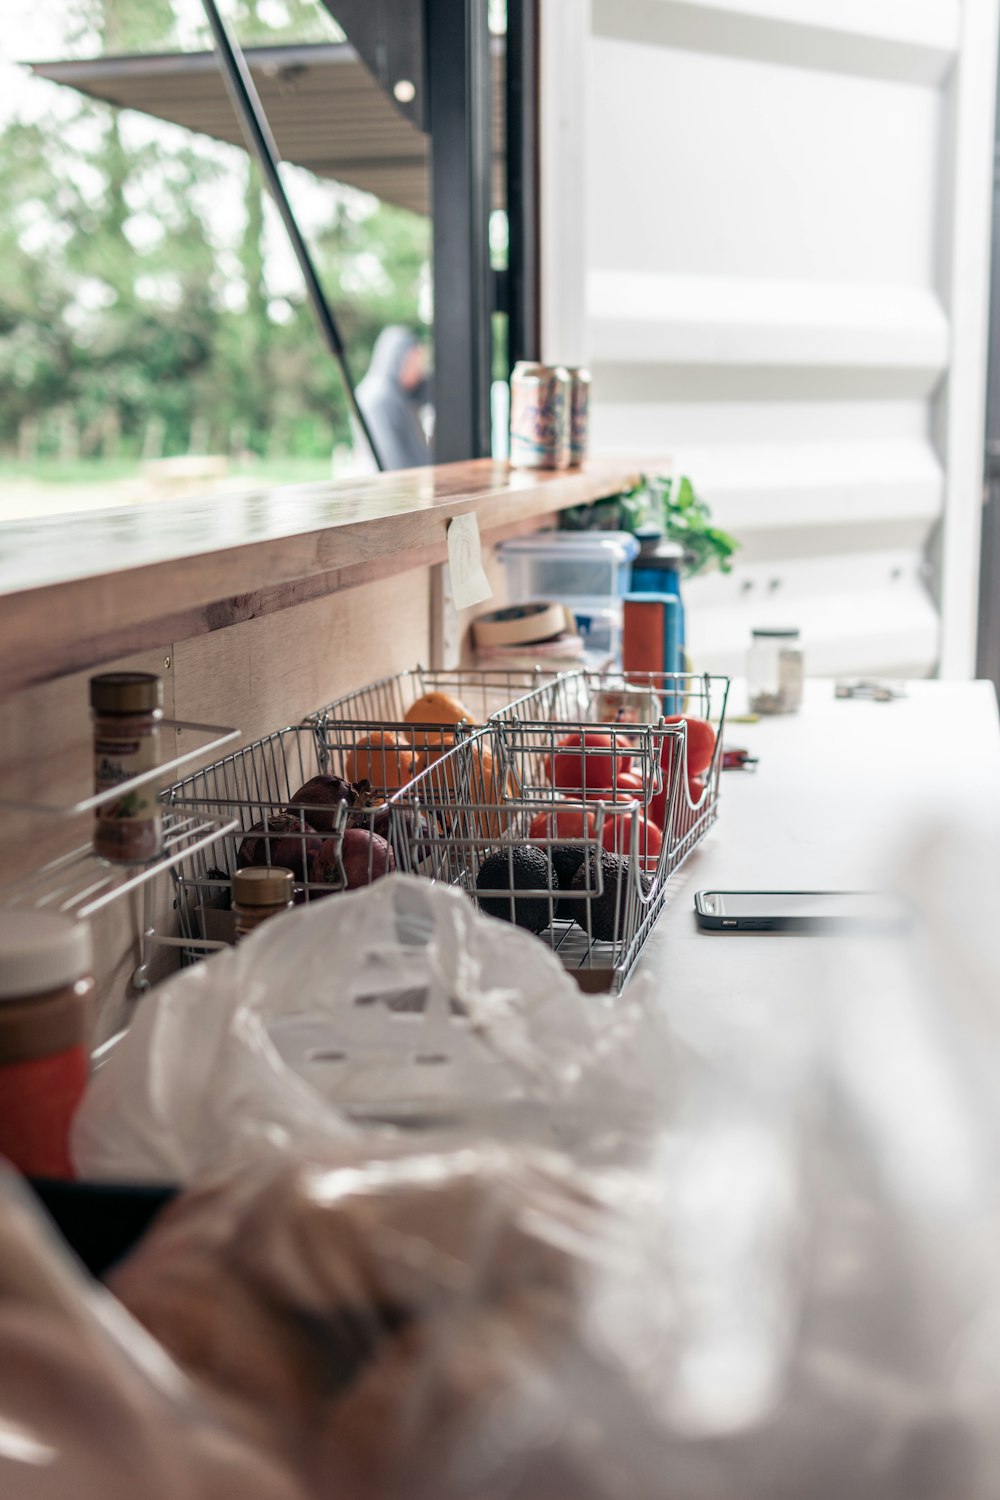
(127, 709)
(46, 1021)
(260, 892)
(775, 672)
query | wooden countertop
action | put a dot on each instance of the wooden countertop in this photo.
(79, 590)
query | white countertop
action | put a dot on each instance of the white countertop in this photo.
(841, 789)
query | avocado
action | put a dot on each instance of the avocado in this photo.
(566, 860)
(525, 868)
(607, 912)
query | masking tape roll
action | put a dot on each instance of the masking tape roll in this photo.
(519, 625)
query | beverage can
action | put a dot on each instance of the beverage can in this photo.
(539, 416)
(579, 403)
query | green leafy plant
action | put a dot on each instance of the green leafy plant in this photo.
(665, 504)
(687, 519)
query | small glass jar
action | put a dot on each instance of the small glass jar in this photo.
(127, 709)
(46, 1022)
(775, 672)
(260, 892)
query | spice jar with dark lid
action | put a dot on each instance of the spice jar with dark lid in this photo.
(260, 892)
(46, 1022)
(127, 709)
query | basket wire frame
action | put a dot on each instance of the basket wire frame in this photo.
(635, 769)
(475, 791)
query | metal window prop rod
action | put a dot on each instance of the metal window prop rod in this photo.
(261, 145)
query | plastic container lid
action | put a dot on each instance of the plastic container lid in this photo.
(263, 885)
(41, 951)
(783, 634)
(620, 545)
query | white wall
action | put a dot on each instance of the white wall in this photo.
(766, 227)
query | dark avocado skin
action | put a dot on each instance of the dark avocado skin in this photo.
(531, 871)
(603, 924)
(566, 860)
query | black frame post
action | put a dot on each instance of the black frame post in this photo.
(524, 337)
(458, 114)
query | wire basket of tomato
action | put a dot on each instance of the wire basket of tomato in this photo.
(571, 817)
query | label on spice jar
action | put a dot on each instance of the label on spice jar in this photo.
(118, 760)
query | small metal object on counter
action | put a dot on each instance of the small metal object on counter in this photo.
(127, 709)
(259, 893)
(775, 671)
(540, 417)
(878, 692)
(579, 413)
(739, 760)
(46, 1019)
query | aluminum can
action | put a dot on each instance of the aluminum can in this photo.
(539, 416)
(579, 407)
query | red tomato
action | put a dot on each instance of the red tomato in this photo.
(700, 742)
(617, 837)
(628, 788)
(696, 788)
(563, 824)
(578, 768)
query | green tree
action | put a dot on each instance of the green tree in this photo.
(116, 314)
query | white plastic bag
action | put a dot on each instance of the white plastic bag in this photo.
(90, 1407)
(397, 1004)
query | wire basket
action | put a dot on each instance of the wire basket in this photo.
(256, 789)
(487, 694)
(546, 822)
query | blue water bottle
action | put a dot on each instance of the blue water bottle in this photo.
(657, 570)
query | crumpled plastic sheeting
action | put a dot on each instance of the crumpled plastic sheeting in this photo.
(198, 1079)
(786, 1285)
(90, 1407)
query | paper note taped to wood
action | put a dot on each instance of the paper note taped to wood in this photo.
(469, 583)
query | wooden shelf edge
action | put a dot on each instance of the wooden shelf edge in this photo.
(374, 528)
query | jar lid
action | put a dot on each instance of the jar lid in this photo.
(782, 634)
(126, 692)
(263, 885)
(41, 951)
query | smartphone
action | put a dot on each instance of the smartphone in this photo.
(797, 911)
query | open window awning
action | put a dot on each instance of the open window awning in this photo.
(325, 109)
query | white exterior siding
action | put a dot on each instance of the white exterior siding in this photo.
(781, 281)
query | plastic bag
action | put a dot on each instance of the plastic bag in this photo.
(788, 1286)
(90, 1407)
(391, 1006)
(439, 1324)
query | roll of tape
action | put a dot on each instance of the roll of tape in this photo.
(519, 625)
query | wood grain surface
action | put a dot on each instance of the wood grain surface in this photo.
(76, 591)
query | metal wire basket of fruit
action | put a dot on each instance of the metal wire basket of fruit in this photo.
(679, 814)
(334, 830)
(574, 823)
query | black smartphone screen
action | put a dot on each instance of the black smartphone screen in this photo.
(775, 911)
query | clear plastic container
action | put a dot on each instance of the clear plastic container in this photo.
(775, 671)
(569, 566)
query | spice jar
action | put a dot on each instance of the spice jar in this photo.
(127, 709)
(46, 1020)
(775, 672)
(260, 892)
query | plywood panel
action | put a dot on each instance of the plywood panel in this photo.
(273, 671)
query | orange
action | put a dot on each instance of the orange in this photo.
(383, 760)
(438, 708)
